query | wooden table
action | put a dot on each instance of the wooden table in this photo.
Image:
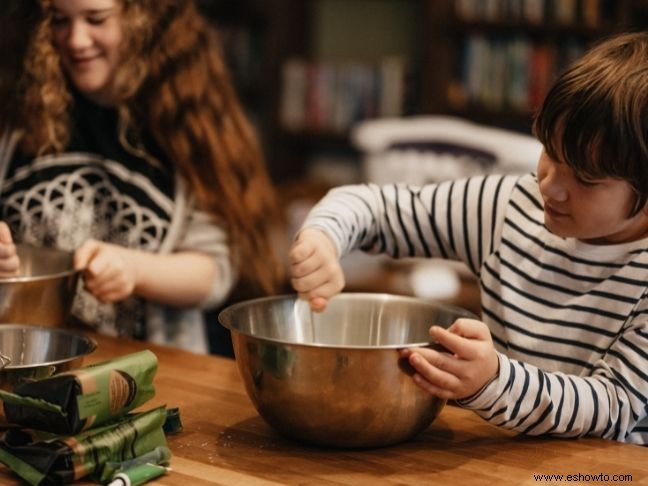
(226, 442)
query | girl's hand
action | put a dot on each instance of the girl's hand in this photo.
(465, 367)
(109, 271)
(9, 261)
(314, 267)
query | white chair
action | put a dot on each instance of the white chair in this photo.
(423, 149)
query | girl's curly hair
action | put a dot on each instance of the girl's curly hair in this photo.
(172, 83)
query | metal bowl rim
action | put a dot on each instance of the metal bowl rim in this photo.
(384, 296)
(39, 278)
(92, 345)
(44, 277)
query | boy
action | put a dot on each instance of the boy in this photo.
(562, 258)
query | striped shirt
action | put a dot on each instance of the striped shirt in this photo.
(569, 320)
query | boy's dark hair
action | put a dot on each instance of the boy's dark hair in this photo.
(595, 116)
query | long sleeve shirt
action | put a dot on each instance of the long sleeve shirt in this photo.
(569, 320)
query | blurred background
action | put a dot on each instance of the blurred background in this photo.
(345, 91)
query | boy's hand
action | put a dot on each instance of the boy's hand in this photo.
(109, 270)
(467, 365)
(9, 262)
(314, 267)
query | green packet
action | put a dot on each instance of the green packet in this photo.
(86, 397)
(43, 459)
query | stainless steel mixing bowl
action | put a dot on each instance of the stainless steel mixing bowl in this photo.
(39, 352)
(43, 292)
(336, 378)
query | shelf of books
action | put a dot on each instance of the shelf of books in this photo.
(513, 73)
(329, 97)
(587, 14)
(510, 51)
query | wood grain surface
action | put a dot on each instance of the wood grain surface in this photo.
(226, 442)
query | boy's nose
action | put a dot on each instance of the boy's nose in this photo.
(552, 187)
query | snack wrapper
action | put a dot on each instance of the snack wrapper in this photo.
(44, 459)
(76, 400)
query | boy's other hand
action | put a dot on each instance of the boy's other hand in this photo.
(9, 261)
(468, 363)
(315, 271)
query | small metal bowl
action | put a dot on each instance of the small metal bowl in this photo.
(336, 378)
(43, 292)
(38, 352)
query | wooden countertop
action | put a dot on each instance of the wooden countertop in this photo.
(226, 442)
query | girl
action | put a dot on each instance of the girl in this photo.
(123, 140)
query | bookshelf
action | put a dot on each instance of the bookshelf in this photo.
(500, 56)
(307, 70)
(361, 63)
